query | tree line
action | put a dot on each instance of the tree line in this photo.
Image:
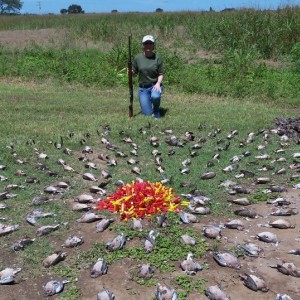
(14, 7)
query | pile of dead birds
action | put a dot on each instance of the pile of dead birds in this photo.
(238, 194)
(288, 126)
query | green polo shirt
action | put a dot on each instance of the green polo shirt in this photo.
(148, 68)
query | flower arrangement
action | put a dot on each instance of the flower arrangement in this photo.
(141, 199)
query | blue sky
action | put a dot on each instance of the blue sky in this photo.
(94, 6)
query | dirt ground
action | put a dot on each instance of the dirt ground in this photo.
(119, 279)
(228, 278)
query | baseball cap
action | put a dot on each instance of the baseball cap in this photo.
(148, 38)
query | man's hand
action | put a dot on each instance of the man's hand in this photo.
(130, 72)
(157, 87)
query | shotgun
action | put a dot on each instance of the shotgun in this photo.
(130, 79)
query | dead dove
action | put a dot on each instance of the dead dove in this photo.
(186, 162)
(164, 292)
(112, 162)
(6, 195)
(150, 241)
(136, 170)
(3, 178)
(187, 184)
(212, 232)
(103, 224)
(103, 157)
(189, 266)
(146, 271)
(279, 202)
(262, 180)
(136, 224)
(172, 141)
(230, 168)
(149, 244)
(208, 175)
(283, 297)
(90, 165)
(287, 269)
(187, 218)
(51, 190)
(281, 224)
(239, 189)
(68, 168)
(263, 156)
(215, 292)
(199, 209)
(54, 259)
(267, 237)
(97, 190)
(119, 182)
(155, 152)
(254, 282)
(134, 152)
(6, 229)
(54, 287)
(132, 161)
(22, 243)
(294, 251)
(277, 188)
(188, 240)
(32, 216)
(162, 220)
(234, 224)
(84, 198)
(46, 229)
(32, 179)
(197, 198)
(166, 180)
(106, 174)
(116, 243)
(99, 268)
(80, 207)
(105, 295)
(89, 176)
(3, 206)
(40, 200)
(284, 212)
(226, 259)
(184, 171)
(7, 276)
(89, 217)
(121, 154)
(240, 201)
(251, 249)
(43, 156)
(246, 173)
(67, 151)
(245, 212)
(73, 241)
(10, 187)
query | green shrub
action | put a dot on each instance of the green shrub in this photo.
(295, 54)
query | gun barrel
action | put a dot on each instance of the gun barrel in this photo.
(130, 84)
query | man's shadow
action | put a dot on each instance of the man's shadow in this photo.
(163, 111)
